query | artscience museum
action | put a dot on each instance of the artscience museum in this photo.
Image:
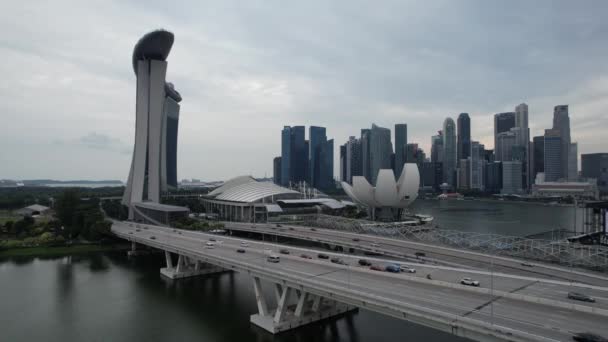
(389, 198)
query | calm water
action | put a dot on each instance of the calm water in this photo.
(107, 297)
(500, 217)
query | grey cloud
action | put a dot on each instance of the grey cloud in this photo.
(247, 68)
(97, 141)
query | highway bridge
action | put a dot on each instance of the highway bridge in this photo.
(519, 307)
(433, 254)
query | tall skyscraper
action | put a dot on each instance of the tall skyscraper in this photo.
(505, 141)
(449, 152)
(286, 155)
(316, 137)
(503, 122)
(169, 139)
(353, 159)
(153, 166)
(595, 166)
(400, 143)
(365, 153)
(511, 177)
(343, 167)
(293, 155)
(538, 155)
(573, 162)
(276, 170)
(464, 136)
(325, 161)
(561, 122)
(553, 155)
(493, 177)
(477, 165)
(411, 151)
(521, 121)
(464, 174)
(437, 148)
(380, 150)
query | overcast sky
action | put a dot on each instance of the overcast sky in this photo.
(246, 68)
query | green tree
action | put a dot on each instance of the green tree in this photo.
(23, 226)
(66, 207)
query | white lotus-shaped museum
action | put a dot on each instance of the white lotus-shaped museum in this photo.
(388, 193)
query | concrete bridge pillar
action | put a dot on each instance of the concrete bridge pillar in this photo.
(187, 267)
(138, 250)
(308, 308)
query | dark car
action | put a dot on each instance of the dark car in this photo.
(364, 262)
(393, 268)
(376, 268)
(284, 251)
(580, 296)
(314, 230)
(356, 239)
(305, 256)
(211, 239)
(322, 256)
(588, 337)
(278, 225)
(153, 237)
(419, 254)
(240, 250)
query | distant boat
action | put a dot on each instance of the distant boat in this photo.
(424, 219)
(451, 195)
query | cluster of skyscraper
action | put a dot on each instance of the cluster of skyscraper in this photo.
(512, 167)
(458, 162)
(301, 160)
(373, 150)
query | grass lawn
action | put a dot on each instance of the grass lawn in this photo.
(61, 250)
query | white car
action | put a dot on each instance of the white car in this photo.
(210, 245)
(469, 282)
(375, 245)
(408, 269)
(244, 244)
(267, 251)
(273, 258)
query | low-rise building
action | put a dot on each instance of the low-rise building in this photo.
(34, 209)
(582, 190)
(245, 199)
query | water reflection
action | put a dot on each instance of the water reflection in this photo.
(125, 299)
(98, 263)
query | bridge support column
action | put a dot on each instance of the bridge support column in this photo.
(186, 267)
(308, 308)
(137, 252)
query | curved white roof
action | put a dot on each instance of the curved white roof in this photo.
(388, 191)
(232, 183)
(247, 189)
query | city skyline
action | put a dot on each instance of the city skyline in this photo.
(243, 76)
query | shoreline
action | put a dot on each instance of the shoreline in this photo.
(43, 251)
(491, 200)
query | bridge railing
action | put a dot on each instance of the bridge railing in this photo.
(559, 252)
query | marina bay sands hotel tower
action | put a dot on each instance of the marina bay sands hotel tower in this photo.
(154, 164)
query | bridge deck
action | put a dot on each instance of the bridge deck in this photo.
(400, 295)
